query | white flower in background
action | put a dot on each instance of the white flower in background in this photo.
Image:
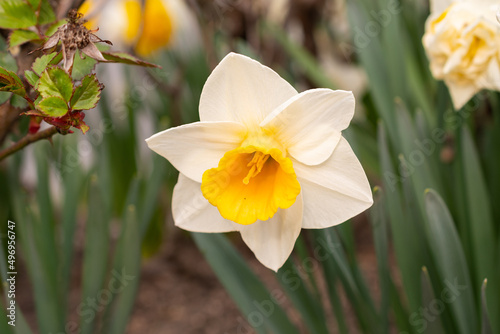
(264, 160)
(462, 41)
(158, 25)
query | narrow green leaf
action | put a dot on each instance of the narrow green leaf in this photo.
(31, 77)
(94, 259)
(55, 82)
(128, 267)
(309, 307)
(16, 14)
(260, 307)
(434, 326)
(381, 239)
(328, 242)
(10, 82)
(41, 63)
(53, 106)
(485, 319)
(408, 243)
(21, 327)
(481, 225)
(125, 58)
(18, 37)
(87, 94)
(451, 264)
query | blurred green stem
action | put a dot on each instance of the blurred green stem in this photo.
(26, 140)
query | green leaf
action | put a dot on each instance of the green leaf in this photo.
(53, 106)
(428, 298)
(243, 285)
(55, 82)
(10, 82)
(87, 94)
(379, 221)
(31, 77)
(96, 247)
(46, 14)
(480, 225)
(82, 67)
(310, 308)
(8, 62)
(42, 62)
(16, 14)
(127, 264)
(18, 37)
(485, 319)
(451, 264)
(125, 58)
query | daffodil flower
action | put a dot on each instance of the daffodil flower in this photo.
(462, 42)
(264, 160)
(156, 25)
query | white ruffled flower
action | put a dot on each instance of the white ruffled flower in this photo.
(462, 41)
(264, 160)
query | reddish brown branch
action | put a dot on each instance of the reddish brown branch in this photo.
(26, 140)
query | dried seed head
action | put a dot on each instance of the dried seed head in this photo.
(74, 36)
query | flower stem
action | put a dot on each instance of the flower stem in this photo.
(26, 140)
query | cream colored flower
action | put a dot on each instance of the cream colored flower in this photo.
(462, 41)
(157, 25)
(264, 160)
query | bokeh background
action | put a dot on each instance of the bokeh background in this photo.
(93, 210)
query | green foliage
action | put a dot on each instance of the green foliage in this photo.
(18, 37)
(86, 95)
(10, 82)
(42, 62)
(55, 82)
(16, 14)
(53, 106)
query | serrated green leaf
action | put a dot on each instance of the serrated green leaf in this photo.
(18, 37)
(10, 82)
(42, 62)
(87, 94)
(55, 82)
(46, 14)
(31, 77)
(82, 67)
(16, 14)
(53, 106)
(125, 58)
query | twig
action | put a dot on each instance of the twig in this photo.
(26, 140)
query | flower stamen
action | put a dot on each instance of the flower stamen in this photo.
(256, 164)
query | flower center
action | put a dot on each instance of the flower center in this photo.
(250, 184)
(258, 161)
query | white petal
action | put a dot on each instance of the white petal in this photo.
(309, 124)
(272, 240)
(194, 148)
(192, 211)
(241, 89)
(461, 94)
(335, 190)
(439, 6)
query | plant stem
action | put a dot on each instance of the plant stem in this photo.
(26, 140)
